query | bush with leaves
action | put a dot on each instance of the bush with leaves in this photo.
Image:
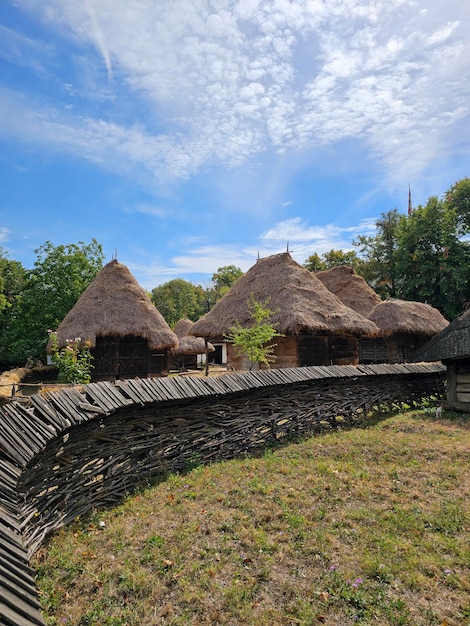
(254, 341)
(73, 362)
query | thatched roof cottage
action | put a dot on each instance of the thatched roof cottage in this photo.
(351, 289)
(404, 327)
(128, 336)
(191, 350)
(319, 329)
(452, 347)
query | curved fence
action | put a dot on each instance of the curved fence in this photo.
(67, 452)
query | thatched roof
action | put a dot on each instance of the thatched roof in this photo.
(115, 304)
(351, 289)
(189, 345)
(300, 301)
(395, 317)
(451, 343)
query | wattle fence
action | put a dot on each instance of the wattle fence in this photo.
(65, 453)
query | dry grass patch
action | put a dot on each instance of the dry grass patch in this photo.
(367, 526)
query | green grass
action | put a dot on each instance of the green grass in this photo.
(368, 526)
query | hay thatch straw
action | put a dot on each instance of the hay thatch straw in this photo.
(451, 343)
(395, 317)
(351, 289)
(301, 303)
(115, 304)
(189, 345)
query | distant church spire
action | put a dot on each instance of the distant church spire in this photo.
(410, 206)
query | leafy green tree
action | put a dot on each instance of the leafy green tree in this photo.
(334, 258)
(58, 278)
(379, 255)
(330, 259)
(314, 263)
(12, 278)
(431, 260)
(221, 282)
(178, 299)
(225, 276)
(457, 199)
(254, 341)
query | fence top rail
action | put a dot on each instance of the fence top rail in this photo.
(24, 427)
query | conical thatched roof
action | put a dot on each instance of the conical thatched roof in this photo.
(409, 318)
(189, 345)
(451, 343)
(115, 304)
(351, 289)
(300, 301)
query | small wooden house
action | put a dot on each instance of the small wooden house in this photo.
(404, 327)
(318, 328)
(191, 351)
(127, 334)
(452, 347)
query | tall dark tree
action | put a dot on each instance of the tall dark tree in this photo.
(379, 255)
(457, 198)
(58, 278)
(432, 261)
(12, 278)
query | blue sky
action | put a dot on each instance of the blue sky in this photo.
(190, 134)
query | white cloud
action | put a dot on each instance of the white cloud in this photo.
(23, 50)
(4, 234)
(223, 82)
(201, 260)
(305, 239)
(150, 210)
(198, 265)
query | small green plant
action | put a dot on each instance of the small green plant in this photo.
(74, 361)
(254, 341)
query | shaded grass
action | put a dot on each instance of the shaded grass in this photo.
(369, 526)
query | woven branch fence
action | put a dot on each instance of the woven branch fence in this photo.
(68, 452)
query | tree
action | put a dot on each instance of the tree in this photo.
(330, 259)
(58, 278)
(224, 278)
(12, 277)
(178, 299)
(221, 282)
(457, 199)
(431, 260)
(334, 258)
(314, 263)
(254, 341)
(379, 254)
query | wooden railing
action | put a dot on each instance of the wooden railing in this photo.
(66, 452)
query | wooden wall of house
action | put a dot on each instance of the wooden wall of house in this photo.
(458, 385)
(182, 362)
(402, 348)
(126, 357)
(344, 350)
(313, 350)
(285, 353)
(328, 350)
(305, 350)
(372, 350)
(159, 364)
